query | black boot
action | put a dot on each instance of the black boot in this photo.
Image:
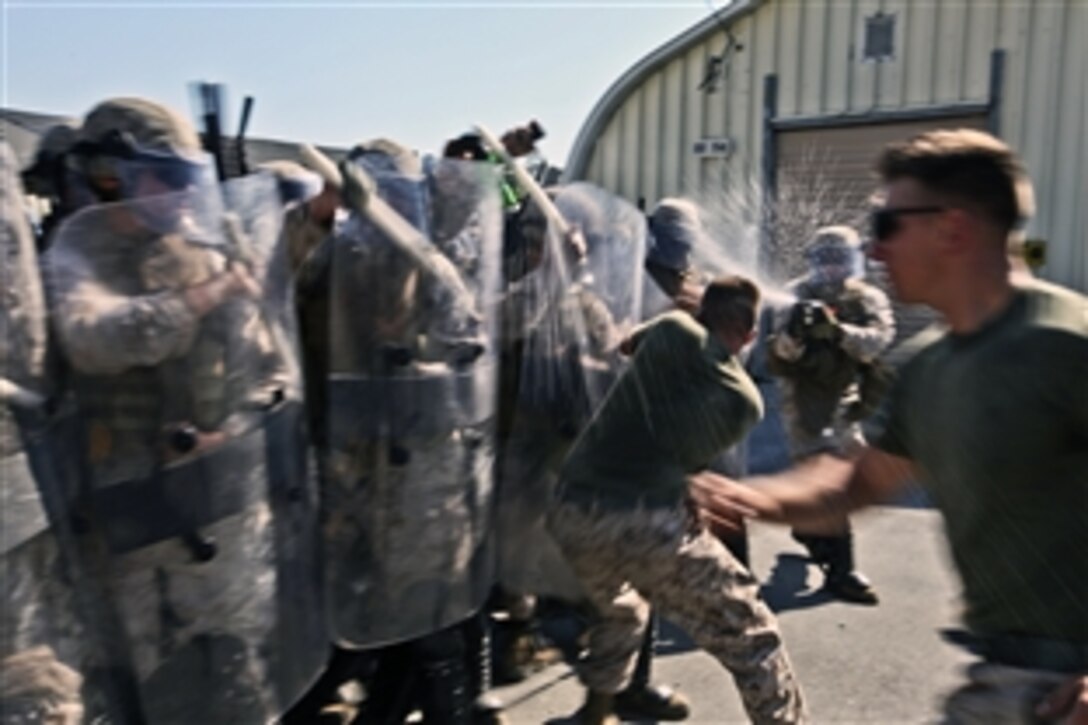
(643, 700)
(344, 665)
(391, 688)
(521, 650)
(835, 556)
(444, 678)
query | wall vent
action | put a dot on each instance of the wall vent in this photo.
(879, 37)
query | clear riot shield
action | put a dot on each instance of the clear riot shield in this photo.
(198, 511)
(407, 491)
(45, 655)
(565, 310)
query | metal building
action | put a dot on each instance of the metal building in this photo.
(789, 101)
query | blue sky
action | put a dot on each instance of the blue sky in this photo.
(340, 72)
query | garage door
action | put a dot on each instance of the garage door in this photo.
(825, 176)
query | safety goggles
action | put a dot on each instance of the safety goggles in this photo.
(884, 223)
(118, 149)
(831, 256)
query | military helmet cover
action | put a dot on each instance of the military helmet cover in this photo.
(675, 230)
(834, 246)
(294, 181)
(153, 127)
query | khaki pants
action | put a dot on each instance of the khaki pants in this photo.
(627, 560)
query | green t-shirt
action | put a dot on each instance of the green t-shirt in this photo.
(683, 399)
(997, 422)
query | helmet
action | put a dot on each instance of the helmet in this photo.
(294, 182)
(834, 254)
(152, 128)
(382, 155)
(124, 136)
(675, 230)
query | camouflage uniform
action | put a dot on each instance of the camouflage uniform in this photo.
(829, 387)
(407, 490)
(624, 528)
(831, 377)
(626, 560)
(146, 368)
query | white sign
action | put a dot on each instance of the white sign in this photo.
(706, 147)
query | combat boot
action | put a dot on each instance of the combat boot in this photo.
(835, 556)
(596, 710)
(522, 651)
(643, 700)
(651, 702)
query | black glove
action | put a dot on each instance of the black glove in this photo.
(813, 320)
(800, 320)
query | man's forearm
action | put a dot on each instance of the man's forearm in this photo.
(816, 494)
(813, 494)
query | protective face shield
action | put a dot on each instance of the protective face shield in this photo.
(116, 167)
(834, 255)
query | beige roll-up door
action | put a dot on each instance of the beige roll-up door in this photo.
(825, 176)
(842, 157)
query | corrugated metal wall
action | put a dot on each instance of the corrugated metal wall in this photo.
(942, 58)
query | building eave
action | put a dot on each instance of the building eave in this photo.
(617, 94)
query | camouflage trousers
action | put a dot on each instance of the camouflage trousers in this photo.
(631, 559)
(997, 694)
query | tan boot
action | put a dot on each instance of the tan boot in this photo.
(597, 710)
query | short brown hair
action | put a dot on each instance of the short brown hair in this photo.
(966, 165)
(730, 302)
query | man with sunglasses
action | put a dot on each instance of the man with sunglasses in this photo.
(825, 351)
(992, 417)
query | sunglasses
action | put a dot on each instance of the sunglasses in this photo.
(884, 223)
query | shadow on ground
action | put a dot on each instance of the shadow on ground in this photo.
(787, 587)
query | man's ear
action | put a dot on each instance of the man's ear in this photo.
(750, 337)
(955, 226)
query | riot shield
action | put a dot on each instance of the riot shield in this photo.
(563, 319)
(407, 492)
(198, 507)
(45, 656)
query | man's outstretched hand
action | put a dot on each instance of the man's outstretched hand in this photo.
(722, 504)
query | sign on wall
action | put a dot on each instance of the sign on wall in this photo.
(722, 147)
